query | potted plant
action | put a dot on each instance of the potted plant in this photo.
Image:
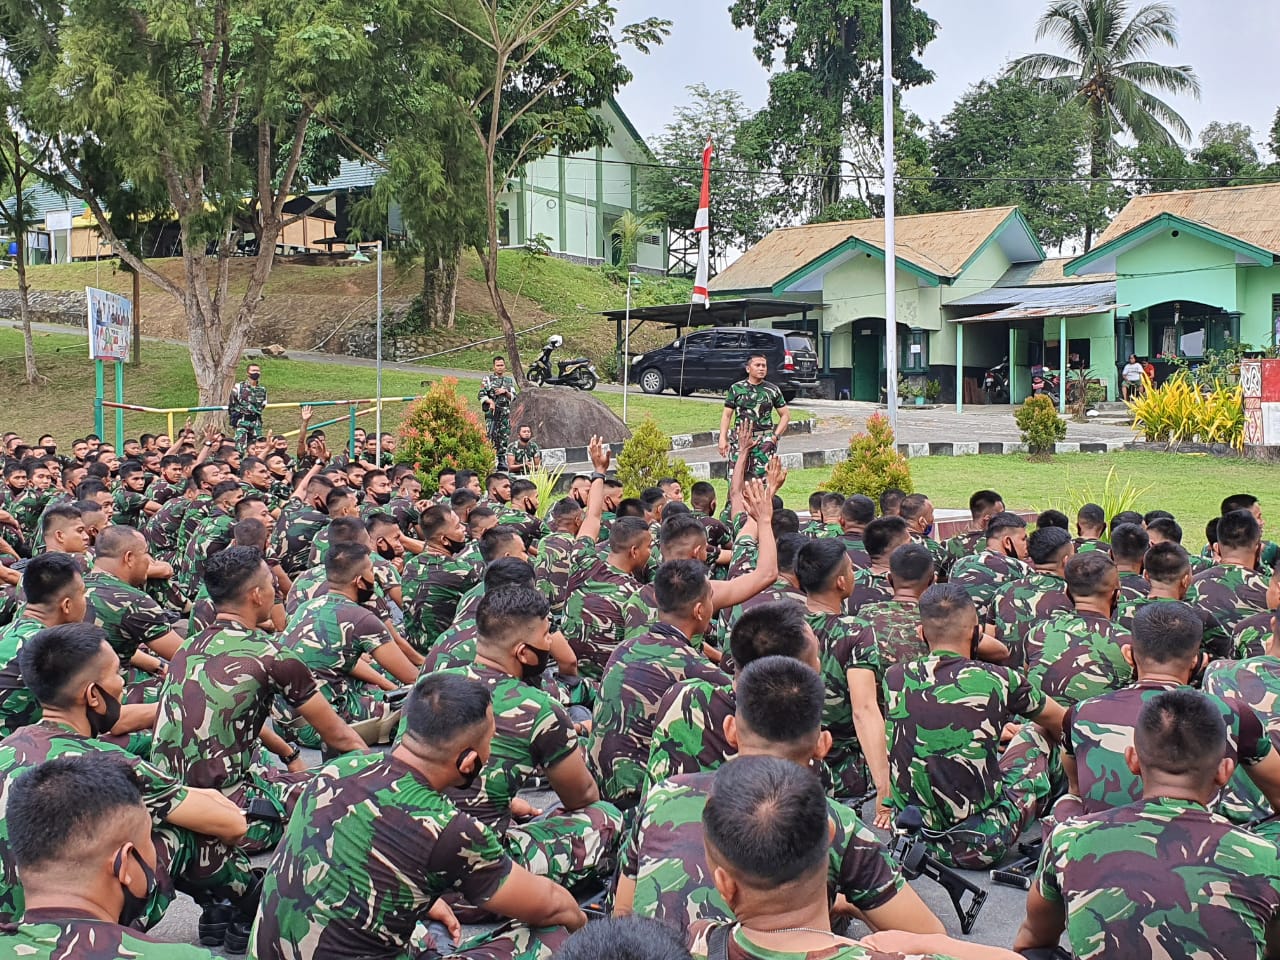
(932, 390)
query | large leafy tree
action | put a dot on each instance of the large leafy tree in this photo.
(1106, 70)
(823, 118)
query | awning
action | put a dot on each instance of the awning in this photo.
(726, 313)
(1023, 312)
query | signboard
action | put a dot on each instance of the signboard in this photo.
(110, 319)
(58, 220)
(1260, 384)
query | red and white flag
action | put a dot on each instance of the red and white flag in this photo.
(702, 227)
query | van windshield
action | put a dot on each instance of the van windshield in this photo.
(797, 342)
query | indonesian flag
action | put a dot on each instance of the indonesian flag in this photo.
(702, 227)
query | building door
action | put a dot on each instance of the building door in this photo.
(868, 361)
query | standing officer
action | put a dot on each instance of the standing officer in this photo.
(753, 401)
(244, 409)
(497, 392)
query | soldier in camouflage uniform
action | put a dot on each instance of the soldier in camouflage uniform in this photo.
(522, 454)
(245, 407)
(435, 580)
(131, 502)
(1077, 654)
(983, 505)
(871, 583)
(854, 515)
(1232, 590)
(213, 534)
(83, 817)
(39, 492)
(300, 522)
(219, 692)
(1163, 876)
(917, 510)
(664, 870)
(1020, 604)
(78, 676)
(1129, 545)
(751, 403)
(1003, 560)
(497, 393)
(375, 841)
(947, 713)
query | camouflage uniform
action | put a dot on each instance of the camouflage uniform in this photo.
(405, 513)
(131, 619)
(162, 491)
(128, 507)
(755, 404)
(1019, 604)
(432, 585)
(640, 671)
(553, 562)
(688, 736)
(1076, 655)
(945, 714)
(497, 418)
(298, 525)
(200, 865)
(1162, 877)
(162, 529)
(1133, 585)
(857, 551)
(781, 590)
(531, 527)
(596, 614)
(245, 408)
(836, 635)
(965, 545)
(192, 518)
(211, 537)
(868, 587)
(1097, 731)
(1087, 544)
(738, 947)
(215, 700)
(27, 509)
(1256, 683)
(665, 857)
(329, 634)
(942, 560)
(524, 454)
(983, 574)
(1229, 593)
(18, 707)
(533, 734)
(888, 633)
(1252, 636)
(55, 934)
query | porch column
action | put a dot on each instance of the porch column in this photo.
(959, 368)
(1008, 372)
(826, 353)
(1062, 364)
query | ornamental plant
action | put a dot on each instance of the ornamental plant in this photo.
(874, 464)
(645, 459)
(441, 431)
(1041, 426)
(1182, 409)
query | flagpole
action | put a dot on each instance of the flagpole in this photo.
(890, 238)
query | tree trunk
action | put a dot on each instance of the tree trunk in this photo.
(440, 292)
(24, 305)
(490, 258)
(1097, 169)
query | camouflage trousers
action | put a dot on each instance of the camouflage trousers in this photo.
(357, 703)
(1032, 775)
(759, 456)
(498, 430)
(569, 848)
(281, 788)
(511, 941)
(845, 771)
(204, 868)
(246, 431)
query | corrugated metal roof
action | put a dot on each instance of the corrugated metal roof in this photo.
(1067, 296)
(352, 175)
(1024, 312)
(43, 199)
(1049, 272)
(1251, 214)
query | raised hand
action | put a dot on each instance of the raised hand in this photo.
(600, 454)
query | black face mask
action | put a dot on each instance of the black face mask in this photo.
(455, 546)
(364, 593)
(381, 499)
(468, 779)
(531, 673)
(254, 377)
(100, 723)
(51, 450)
(386, 551)
(134, 906)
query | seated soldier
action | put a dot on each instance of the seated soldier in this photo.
(1020, 604)
(435, 580)
(80, 839)
(300, 520)
(64, 532)
(1232, 589)
(767, 826)
(1166, 655)
(917, 510)
(374, 843)
(220, 689)
(1163, 876)
(1091, 527)
(871, 583)
(75, 676)
(983, 505)
(1076, 654)
(1129, 545)
(624, 938)
(534, 735)
(853, 516)
(644, 667)
(947, 714)
(1168, 570)
(1004, 560)
(664, 872)
(332, 633)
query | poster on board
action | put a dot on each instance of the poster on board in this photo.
(110, 320)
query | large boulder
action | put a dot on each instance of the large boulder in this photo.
(564, 417)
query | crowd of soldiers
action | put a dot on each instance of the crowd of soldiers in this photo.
(706, 702)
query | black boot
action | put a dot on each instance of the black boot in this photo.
(215, 918)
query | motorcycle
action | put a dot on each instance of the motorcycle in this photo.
(995, 383)
(579, 372)
(1044, 382)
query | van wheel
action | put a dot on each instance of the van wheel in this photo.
(652, 381)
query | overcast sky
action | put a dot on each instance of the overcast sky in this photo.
(1234, 46)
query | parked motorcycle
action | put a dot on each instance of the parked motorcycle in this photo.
(1044, 382)
(578, 373)
(995, 383)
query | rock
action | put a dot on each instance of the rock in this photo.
(564, 417)
(274, 350)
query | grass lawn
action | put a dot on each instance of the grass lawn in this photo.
(1190, 486)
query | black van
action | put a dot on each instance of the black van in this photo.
(714, 359)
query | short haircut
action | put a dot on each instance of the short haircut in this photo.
(1152, 515)
(768, 819)
(50, 659)
(565, 509)
(1047, 544)
(378, 519)
(623, 938)
(522, 486)
(493, 479)
(343, 560)
(1166, 563)
(784, 522)
(464, 477)
(1091, 515)
(57, 808)
(462, 497)
(983, 500)
(496, 539)
(911, 563)
(652, 496)
(249, 532)
(681, 528)
(626, 533)
(858, 509)
(1239, 530)
(818, 562)
(1004, 521)
(1053, 518)
(1211, 531)
(815, 501)
(679, 584)
(1129, 542)
(476, 518)
(58, 514)
(433, 520)
(769, 629)
(912, 506)
(1086, 572)
(891, 501)
(630, 507)
(1168, 632)
(243, 506)
(1180, 732)
(129, 468)
(941, 604)
(48, 577)
(780, 699)
(509, 571)
(446, 472)
(789, 545)
(504, 614)
(701, 494)
(228, 573)
(832, 501)
(370, 476)
(442, 707)
(675, 508)
(1126, 516)
(116, 540)
(345, 530)
(1167, 527)
(882, 534)
(335, 498)
(1237, 501)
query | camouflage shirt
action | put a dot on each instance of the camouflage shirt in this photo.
(553, 562)
(28, 507)
(596, 614)
(945, 714)
(1252, 636)
(1019, 604)
(754, 404)
(129, 507)
(1133, 585)
(1256, 683)
(369, 848)
(1075, 655)
(490, 384)
(640, 671)
(688, 736)
(889, 634)
(965, 545)
(216, 698)
(130, 617)
(298, 525)
(1097, 731)
(329, 634)
(17, 706)
(739, 947)
(211, 537)
(868, 587)
(405, 513)
(162, 530)
(983, 574)
(432, 585)
(248, 400)
(1162, 877)
(836, 635)
(524, 454)
(1229, 593)
(665, 857)
(57, 934)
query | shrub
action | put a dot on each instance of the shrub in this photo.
(1114, 497)
(1181, 410)
(1040, 425)
(874, 463)
(440, 431)
(645, 459)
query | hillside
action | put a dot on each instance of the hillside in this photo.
(316, 307)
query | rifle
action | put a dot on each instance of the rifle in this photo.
(909, 849)
(1022, 871)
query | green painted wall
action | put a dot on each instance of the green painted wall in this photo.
(1184, 268)
(1257, 326)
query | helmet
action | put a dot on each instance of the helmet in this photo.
(555, 340)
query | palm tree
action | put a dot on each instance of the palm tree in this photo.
(1104, 70)
(627, 233)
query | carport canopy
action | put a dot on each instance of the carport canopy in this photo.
(719, 313)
